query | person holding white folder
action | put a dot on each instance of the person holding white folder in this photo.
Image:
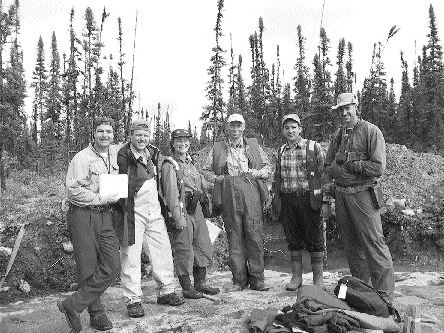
(90, 224)
(138, 220)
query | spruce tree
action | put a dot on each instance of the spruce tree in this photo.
(213, 114)
(340, 85)
(39, 83)
(302, 84)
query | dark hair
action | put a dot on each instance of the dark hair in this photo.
(103, 121)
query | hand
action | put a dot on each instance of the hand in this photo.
(219, 179)
(340, 157)
(353, 167)
(325, 210)
(110, 198)
(181, 223)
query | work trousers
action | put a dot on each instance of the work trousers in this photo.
(360, 228)
(302, 224)
(96, 252)
(243, 221)
(192, 245)
(152, 236)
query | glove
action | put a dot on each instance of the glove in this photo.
(353, 167)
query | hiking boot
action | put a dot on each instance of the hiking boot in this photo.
(296, 269)
(259, 286)
(135, 310)
(100, 321)
(199, 274)
(192, 294)
(172, 299)
(71, 315)
(235, 287)
(187, 289)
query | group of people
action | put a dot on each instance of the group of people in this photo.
(164, 212)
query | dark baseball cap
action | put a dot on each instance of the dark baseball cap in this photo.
(180, 133)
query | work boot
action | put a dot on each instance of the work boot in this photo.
(199, 274)
(317, 265)
(100, 321)
(188, 290)
(172, 299)
(135, 310)
(71, 315)
(296, 269)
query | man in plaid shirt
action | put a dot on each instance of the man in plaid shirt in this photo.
(299, 167)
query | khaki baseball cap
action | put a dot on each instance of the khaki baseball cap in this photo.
(345, 99)
(291, 116)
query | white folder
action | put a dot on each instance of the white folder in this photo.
(111, 184)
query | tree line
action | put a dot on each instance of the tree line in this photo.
(69, 90)
(415, 119)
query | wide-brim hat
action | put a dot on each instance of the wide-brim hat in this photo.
(345, 99)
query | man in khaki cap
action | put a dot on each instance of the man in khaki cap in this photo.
(239, 167)
(355, 159)
(139, 220)
(297, 190)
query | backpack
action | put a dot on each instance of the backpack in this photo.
(364, 298)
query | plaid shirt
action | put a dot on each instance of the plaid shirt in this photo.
(294, 168)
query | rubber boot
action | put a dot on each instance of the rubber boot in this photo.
(317, 265)
(200, 275)
(187, 289)
(296, 269)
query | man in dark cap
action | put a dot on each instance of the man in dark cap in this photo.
(139, 221)
(96, 246)
(355, 159)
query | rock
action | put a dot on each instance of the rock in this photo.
(73, 286)
(408, 212)
(48, 223)
(24, 286)
(5, 251)
(68, 247)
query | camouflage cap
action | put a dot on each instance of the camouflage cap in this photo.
(140, 124)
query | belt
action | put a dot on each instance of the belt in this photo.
(352, 189)
(298, 192)
(103, 208)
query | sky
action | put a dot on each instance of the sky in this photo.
(174, 39)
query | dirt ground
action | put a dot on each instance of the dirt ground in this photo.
(416, 243)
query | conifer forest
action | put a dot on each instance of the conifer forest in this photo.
(72, 86)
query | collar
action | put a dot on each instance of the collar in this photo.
(301, 143)
(239, 144)
(145, 154)
(186, 159)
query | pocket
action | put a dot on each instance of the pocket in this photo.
(377, 196)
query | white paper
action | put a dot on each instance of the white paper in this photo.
(342, 291)
(112, 184)
(213, 230)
